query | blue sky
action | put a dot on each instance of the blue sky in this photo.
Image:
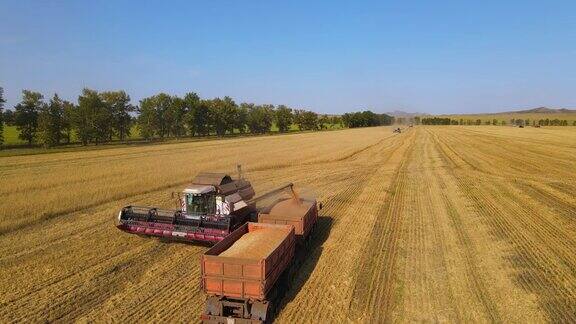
(329, 56)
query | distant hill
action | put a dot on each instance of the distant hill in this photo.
(399, 113)
(532, 115)
(539, 110)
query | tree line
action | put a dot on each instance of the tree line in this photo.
(100, 117)
(163, 116)
(541, 122)
(97, 118)
(366, 119)
(513, 121)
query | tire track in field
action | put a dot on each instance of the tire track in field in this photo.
(334, 206)
(326, 291)
(475, 276)
(538, 269)
(519, 160)
(538, 253)
(562, 205)
(372, 295)
(425, 275)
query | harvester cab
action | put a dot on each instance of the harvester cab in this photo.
(209, 209)
(198, 200)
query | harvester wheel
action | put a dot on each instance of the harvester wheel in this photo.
(253, 217)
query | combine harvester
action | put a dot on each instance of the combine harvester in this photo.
(212, 207)
(256, 248)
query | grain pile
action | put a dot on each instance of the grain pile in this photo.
(257, 244)
(291, 209)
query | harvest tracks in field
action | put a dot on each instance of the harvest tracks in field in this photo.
(454, 224)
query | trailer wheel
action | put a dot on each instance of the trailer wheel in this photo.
(262, 311)
(213, 306)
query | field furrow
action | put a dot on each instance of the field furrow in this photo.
(436, 224)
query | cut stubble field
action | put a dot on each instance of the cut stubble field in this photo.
(451, 223)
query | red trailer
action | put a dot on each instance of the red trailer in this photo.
(298, 212)
(239, 273)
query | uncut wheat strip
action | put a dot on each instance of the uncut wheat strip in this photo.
(54, 202)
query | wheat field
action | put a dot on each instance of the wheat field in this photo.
(455, 223)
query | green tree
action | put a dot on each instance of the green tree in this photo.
(260, 118)
(323, 121)
(147, 120)
(306, 120)
(204, 122)
(119, 107)
(178, 112)
(27, 115)
(94, 118)
(9, 117)
(193, 120)
(2, 101)
(283, 117)
(222, 114)
(337, 120)
(164, 114)
(241, 119)
(68, 120)
(494, 121)
(50, 121)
